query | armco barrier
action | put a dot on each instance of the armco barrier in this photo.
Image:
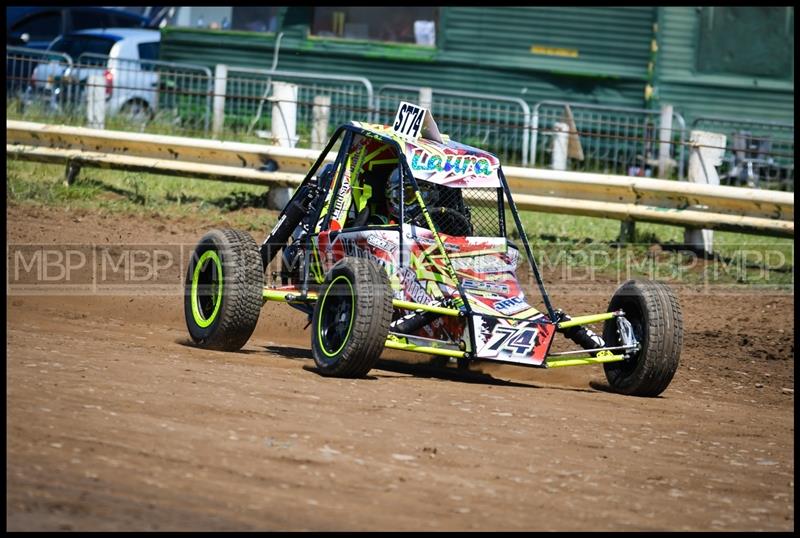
(617, 197)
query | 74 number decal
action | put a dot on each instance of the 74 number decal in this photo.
(519, 342)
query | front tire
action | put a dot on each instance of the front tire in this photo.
(655, 315)
(224, 290)
(351, 318)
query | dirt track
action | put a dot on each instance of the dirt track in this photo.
(115, 422)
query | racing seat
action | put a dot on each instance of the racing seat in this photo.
(369, 198)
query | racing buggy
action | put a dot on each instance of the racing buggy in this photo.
(401, 238)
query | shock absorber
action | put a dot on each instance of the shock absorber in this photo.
(412, 322)
(584, 337)
(292, 216)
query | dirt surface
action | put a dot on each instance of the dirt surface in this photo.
(115, 422)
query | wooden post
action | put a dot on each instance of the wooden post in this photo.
(284, 133)
(320, 114)
(707, 152)
(96, 101)
(665, 162)
(560, 146)
(220, 86)
(426, 98)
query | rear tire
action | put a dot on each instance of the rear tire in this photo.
(137, 111)
(655, 314)
(224, 290)
(351, 318)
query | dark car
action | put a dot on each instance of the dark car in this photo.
(37, 27)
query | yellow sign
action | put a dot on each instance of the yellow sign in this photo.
(554, 51)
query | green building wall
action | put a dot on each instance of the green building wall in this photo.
(678, 80)
(635, 57)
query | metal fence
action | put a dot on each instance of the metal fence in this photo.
(238, 103)
(165, 97)
(757, 153)
(249, 96)
(613, 140)
(20, 85)
(500, 125)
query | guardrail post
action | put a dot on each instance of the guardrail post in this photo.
(71, 172)
(220, 86)
(320, 115)
(627, 231)
(96, 102)
(284, 133)
(707, 152)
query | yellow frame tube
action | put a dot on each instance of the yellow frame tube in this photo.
(397, 303)
(391, 344)
(280, 295)
(558, 363)
(584, 320)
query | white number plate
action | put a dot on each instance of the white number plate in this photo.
(408, 121)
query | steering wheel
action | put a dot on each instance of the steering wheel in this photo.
(447, 221)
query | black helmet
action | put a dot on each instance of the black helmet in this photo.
(427, 190)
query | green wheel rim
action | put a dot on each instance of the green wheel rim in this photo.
(340, 305)
(211, 299)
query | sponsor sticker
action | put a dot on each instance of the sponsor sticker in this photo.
(480, 285)
(486, 263)
(413, 289)
(381, 243)
(511, 305)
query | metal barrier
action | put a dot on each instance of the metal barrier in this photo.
(496, 123)
(757, 153)
(755, 211)
(614, 140)
(247, 90)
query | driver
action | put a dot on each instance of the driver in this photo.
(448, 220)
(393, 185)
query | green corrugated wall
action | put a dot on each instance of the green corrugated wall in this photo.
(696, 94)
(609, 42)
(488, 50)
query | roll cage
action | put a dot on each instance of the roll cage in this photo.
(330, 184)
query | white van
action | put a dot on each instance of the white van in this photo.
(122, 56)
